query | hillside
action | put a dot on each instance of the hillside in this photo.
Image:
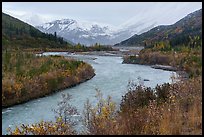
(18, 34)
(176, 34)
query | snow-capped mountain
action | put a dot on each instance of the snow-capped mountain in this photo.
(78, 32)
(85, 32)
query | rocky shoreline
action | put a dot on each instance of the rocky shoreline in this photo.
(164, 67)
(182, 74)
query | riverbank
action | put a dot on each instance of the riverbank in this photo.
(27, 77)
(117, 52)
(187, 61)
(24, 100)
(72, 49)
(182, 74)
(102, 53)
(113, 51)
(164, 67)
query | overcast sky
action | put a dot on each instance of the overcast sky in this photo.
(113, 13)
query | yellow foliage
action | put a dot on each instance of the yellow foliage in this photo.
(44, 128)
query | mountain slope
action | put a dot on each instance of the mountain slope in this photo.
(87, 33)
(76, 32)
(190, 25)
(17, 34)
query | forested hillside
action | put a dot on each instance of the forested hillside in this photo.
(17, 34)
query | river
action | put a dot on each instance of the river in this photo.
(111, 79)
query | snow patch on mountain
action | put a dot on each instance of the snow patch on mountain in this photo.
(47, 26)
(89, 33)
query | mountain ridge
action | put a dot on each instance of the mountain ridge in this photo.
(89, 33)
(190, 25)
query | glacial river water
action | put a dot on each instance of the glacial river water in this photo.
(111, 79)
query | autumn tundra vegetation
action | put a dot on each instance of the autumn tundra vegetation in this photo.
(27, 76)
